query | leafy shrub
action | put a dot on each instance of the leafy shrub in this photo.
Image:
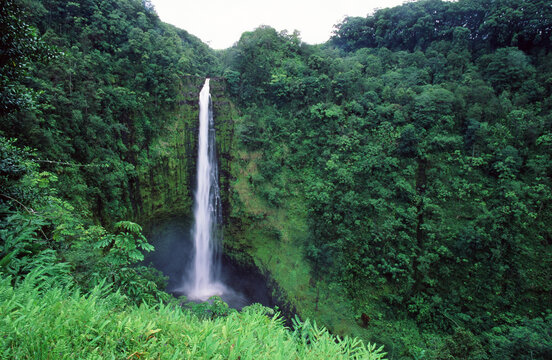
(532, 339)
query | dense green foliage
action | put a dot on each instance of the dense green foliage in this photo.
(104, 99)
(398, 177)
(20, 46)
(419, 139)
(85, 107)
(484, 24)
(40, 230)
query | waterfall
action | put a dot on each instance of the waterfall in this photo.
(207, 209)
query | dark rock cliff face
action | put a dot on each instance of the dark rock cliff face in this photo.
(166, 171)
(224, 114)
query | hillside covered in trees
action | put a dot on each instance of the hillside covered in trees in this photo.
(393, 183)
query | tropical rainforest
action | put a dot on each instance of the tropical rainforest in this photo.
(394, 184)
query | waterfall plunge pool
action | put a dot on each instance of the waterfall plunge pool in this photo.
(173, 256)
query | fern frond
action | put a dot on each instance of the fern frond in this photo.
(129, 226)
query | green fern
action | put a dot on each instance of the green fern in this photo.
(128, 226)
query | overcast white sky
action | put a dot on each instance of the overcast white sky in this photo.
(220, 23)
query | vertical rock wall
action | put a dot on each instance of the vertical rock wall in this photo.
(166, 171)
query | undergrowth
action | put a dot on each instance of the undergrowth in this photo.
(42, 320)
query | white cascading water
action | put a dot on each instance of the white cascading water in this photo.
(207, 209)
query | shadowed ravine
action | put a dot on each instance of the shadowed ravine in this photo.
(188, 251)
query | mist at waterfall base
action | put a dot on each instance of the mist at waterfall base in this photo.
(173, 255)
(203, 277)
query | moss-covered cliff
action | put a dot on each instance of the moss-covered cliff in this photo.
(166, 171)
